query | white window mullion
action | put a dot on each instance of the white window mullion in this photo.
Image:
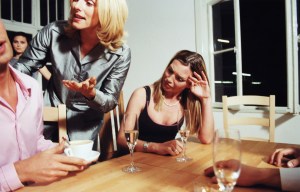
(294, 48)
(56, 10)
(48, 12)
(238, 47)
(22, 11)
(11, 10)
(291, 89)
(211, 48)
(66, 9)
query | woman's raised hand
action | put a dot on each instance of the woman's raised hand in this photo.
(86, 87)
(199, 85)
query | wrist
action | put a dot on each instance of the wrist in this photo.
(20, 169)
(205, 100)
(146, 146)
(90, 96)
(269, 177)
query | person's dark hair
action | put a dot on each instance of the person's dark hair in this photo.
(20, 33)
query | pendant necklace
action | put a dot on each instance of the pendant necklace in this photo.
(170, 105)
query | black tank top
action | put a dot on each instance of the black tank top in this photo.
(151, 131)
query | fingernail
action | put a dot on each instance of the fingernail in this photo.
(290, 164)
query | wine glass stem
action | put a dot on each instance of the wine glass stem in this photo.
(131, 157)
(184, 148)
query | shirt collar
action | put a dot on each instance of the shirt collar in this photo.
(25, 86)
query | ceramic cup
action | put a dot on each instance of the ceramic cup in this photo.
(79, 148)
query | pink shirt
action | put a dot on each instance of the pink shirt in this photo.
(21, 131)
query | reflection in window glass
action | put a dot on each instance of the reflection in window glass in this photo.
(223, 25)
(264, 48)
(225, 77)
(263, 40)
(5, 12)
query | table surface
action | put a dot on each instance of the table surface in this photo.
(159, 173)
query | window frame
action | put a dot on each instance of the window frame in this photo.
(204, 45)
(35, 26)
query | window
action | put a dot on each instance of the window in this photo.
(17, 10)
(29, 16)
(51, 10)
(251, 50)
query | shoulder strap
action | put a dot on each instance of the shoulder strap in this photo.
(148, 93)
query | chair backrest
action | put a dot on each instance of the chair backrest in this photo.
(109, 130)
(57, 114)
(253, 100)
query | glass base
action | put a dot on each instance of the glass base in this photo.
(183, 159)
(131, 169)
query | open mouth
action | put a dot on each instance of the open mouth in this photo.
(79, 17)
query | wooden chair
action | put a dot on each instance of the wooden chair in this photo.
(252, 100)
(109, 130)
(57, 114)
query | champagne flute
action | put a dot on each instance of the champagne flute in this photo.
(131, 131)
(227, 158)
(183, 124)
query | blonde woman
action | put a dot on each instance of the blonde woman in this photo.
(90, 63)
(183, 85)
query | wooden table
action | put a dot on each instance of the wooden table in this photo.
(159, 173)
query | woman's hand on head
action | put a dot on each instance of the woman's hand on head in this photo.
(86, 87)
(199, 85)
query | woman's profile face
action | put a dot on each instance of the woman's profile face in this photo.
(175, 78)
(84, 14)
(20, 44)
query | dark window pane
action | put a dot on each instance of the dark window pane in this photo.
(27, 11)
(52, 10)
(223, 25)
(60, 10)
(225, 78)
(264, 48)
(17, 10)
(5, 10)
(44, 13)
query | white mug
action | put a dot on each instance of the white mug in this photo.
(79, 148)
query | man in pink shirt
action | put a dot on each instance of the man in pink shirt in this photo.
(25, 156)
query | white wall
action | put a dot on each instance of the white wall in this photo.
(157, 30)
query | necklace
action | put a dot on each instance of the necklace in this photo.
(170, 105)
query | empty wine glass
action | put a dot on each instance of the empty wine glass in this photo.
(227, 158)
(183, 131)
(131, 131)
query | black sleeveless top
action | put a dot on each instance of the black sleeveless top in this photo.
(151, 131)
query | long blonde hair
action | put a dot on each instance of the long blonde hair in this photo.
(188, 100)
(112, 18)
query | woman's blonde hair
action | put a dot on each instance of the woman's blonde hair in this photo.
(188, 100)
(112, 17)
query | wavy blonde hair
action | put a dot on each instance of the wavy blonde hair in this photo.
(112, 18)
(188, 101)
